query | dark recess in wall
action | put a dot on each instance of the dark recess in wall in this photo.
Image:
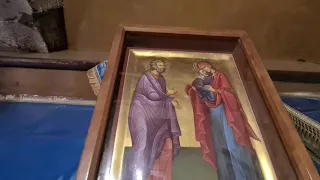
(52, 28)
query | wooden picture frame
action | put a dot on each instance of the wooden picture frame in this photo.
(289, 157)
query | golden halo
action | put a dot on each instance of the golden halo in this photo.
(146, 63)
(213, 63)
(195, 63)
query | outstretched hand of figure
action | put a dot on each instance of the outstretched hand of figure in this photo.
(171, 92)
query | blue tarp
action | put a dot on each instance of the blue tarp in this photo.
(309, 107)
(41, 141)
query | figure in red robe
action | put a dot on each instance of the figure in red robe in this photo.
(221, 126)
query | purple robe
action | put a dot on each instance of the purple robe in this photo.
(152, 119)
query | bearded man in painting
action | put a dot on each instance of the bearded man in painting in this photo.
(153, 126)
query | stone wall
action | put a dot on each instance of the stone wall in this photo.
(34, 26)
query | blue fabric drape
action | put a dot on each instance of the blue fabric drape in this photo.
(309, 107)
(41, 141)
(233, 161)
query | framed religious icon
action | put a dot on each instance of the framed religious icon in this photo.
(184, 104)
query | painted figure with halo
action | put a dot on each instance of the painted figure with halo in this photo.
(221, 126)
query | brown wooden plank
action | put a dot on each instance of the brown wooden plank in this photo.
(298, 155)
(40, 63)
(41, 82)
(63, 60)
(90, 159)
(296, 87)
(181, 38)
(290, 66)
(180, 31)
(295, 76)
(89, 56)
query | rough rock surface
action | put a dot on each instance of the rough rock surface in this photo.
(34, 26)
(19, 37)
(18, 29)
(44, 5)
